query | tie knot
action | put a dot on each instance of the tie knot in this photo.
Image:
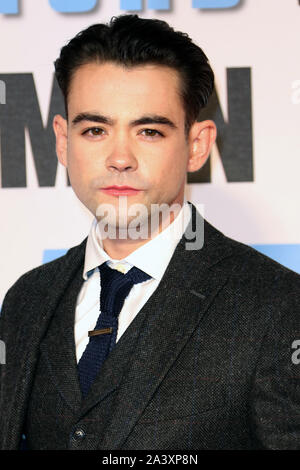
(135, 275)
(115, 287)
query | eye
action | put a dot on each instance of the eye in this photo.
(93, 131)
(151, 133)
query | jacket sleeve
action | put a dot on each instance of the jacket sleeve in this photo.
(11, 305)
(3, 345)
(275, 395)
(3, 337)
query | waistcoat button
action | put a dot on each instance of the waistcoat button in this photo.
(79, 434)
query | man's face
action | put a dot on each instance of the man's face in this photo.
(126, 127)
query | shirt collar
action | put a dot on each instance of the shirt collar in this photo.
(153, 257)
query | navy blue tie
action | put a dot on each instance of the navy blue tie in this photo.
(115, 286)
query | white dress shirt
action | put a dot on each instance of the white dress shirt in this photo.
(153, 258)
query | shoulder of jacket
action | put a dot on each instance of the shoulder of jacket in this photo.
(254, 266)
(44, 274)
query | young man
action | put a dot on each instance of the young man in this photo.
(146, 342)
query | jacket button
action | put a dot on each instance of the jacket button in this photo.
(79, 434)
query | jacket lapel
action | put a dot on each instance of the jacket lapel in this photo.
(59, 346)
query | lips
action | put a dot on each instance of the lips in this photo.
(120, 190)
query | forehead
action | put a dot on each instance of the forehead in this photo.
(117, 89)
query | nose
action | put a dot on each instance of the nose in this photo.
(122, 157)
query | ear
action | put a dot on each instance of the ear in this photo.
(60, 127)
(202, 136)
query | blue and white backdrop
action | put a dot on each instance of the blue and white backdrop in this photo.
(250, 186)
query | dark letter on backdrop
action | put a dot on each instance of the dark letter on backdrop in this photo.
(22, 111)
(234, 139)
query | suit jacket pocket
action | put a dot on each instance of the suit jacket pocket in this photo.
(183, 401)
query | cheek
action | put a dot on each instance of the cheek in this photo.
(167, 175)
(81, 165)
(174, 165)
(166, 159)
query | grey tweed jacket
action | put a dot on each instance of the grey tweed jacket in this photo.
(206, 364)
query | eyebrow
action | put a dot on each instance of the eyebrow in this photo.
(101, 119)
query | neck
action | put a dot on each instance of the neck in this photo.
(119, 248)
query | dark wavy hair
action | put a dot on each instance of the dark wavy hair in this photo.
(130, 41)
